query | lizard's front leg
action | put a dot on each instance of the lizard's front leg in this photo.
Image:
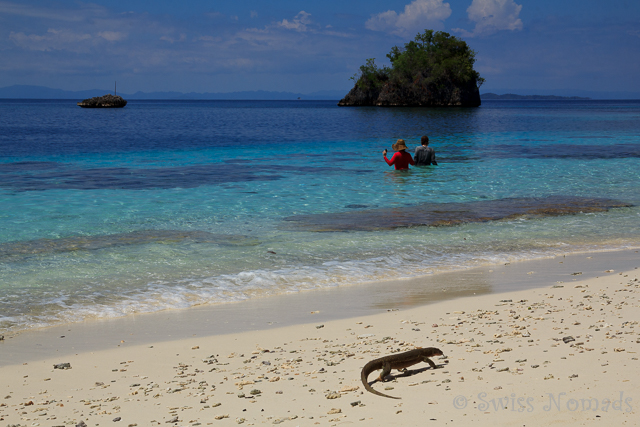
(430, 362)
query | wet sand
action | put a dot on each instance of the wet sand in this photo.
(529, 343)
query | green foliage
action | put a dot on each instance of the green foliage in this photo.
(371, 77)
(433, 61)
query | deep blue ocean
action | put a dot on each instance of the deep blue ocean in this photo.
(172, 204)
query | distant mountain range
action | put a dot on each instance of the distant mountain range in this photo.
(557, 94)
(42, 92)
(513, 96)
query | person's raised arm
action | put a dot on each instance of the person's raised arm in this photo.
(384, 154)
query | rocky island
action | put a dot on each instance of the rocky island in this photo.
(433, 70)
(106, 101)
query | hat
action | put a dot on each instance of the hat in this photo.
(400, 145)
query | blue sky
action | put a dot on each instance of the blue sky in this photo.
(305, 46)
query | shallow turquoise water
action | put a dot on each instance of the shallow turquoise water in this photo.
(174, 204)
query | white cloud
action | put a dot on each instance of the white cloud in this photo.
(298, 23)
(181, 38)
(112, 36)
(492, 16)
(53, 39)
(209, 39)
(34, 12)
(241, 63)
(417, 16)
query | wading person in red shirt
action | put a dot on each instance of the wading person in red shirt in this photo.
(401, 159)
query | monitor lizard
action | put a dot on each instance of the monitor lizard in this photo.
(399, 361)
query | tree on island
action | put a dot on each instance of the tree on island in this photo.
(435, 69)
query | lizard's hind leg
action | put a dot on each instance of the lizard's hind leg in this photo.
(386, 370)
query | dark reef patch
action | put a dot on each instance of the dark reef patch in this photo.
(90, 243)
(564, 151)
(449, 214)
(27, 166)
(65, 178)
(540, 151)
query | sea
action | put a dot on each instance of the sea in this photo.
(160, 205)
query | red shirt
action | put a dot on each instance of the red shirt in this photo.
(401, 160)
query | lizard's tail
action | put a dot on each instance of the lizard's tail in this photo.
(364, 377)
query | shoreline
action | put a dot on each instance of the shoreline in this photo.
(559, 353)
(317, 305)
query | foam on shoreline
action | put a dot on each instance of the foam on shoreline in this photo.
(309, 306)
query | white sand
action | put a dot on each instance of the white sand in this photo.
(505, 364)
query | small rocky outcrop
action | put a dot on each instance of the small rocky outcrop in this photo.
(106, 101)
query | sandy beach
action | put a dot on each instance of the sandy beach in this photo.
(562, 353)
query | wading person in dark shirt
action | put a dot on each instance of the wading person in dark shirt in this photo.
(425, 155)
(401, 159)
